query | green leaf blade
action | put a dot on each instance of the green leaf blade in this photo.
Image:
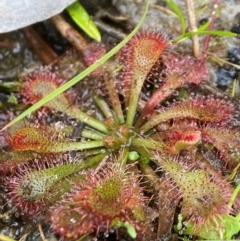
(204, 32)
(204, 26)
(83, 20)
(216, 32)
(179, 13)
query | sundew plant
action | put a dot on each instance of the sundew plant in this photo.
(134, 135)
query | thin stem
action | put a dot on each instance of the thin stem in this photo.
(92, 152)
(234, 195)
(148, 143)
(43, 50)
(172, 113)
(131, 111)
(221, 61)
(94, 160)
(136, 87)
(91, 134)
(234, 172)
(62, 104)
(70, 146)
(112, 31)
(41, 232)
(71, 34)
(82, 238)
(158, 96)
(104, 107)
(164, 10)
(90, 121)
(208, 37)
(150, 174)
(124, 156)
(192, 26)
(113, 96)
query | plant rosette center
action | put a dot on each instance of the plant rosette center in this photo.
(119, 135)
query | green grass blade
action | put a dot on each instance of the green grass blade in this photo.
(234, 195)
(234, 88)
(216, 32)
(211, 32)
(204, 26)
(179, 13)
(79, 77)
(80, 16)
(205, 32)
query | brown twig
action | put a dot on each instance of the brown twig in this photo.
(71, 34)
(110, 30)
(24, 237)
(192, 26)
(115, 18)
(222, 61)
(163, 9)
(212, 20)
(43, 50)
(41, 232)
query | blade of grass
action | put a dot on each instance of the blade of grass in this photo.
(183, 36)
(80, 16)
(204, 26)
(234, 195)
(205, 32)
(5, 238)
(216, 32)
(234, 87)
(79, 77)
(179, 13)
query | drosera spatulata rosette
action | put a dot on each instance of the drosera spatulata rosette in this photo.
(37, 85)
(98, 202)
(204, 198)
(123, 120)
(29, 189)
(178, 71)
(226, 141)
(141, 54)
(114, 131)
(33, 187)
(39, 140)
(198, 108)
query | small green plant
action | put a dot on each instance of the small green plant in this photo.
(99, 202)
(141, 107)
(204, 197)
